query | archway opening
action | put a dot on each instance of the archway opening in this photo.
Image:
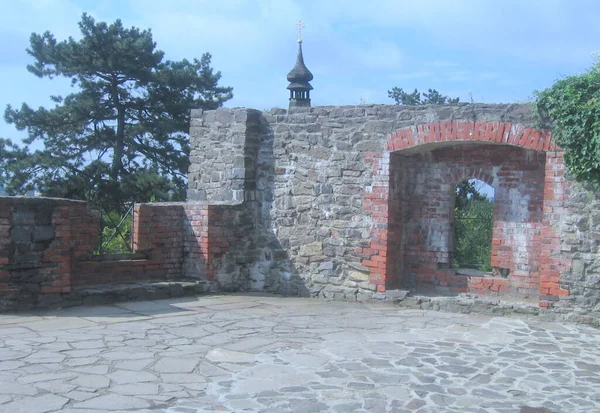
(473, 223)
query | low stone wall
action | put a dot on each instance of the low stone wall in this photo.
(38, 244)
(47, 248)
(477, 304)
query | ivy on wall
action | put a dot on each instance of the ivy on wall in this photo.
(571, 107)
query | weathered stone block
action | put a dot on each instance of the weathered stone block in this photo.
(21, 234)
(358, 276)
(23, 217)
(43, 233)
(311, 250)
(323, 189)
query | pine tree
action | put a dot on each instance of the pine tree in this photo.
(123, 134)
(432, 97)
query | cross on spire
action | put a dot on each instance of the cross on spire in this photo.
(300, 26)
(299, 77)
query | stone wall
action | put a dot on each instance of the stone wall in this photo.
(223, 162)
(341, 202)
(47, 248)
(37, 245)
(233, 166)
(218, 244)
(579, 247)
(337, 195)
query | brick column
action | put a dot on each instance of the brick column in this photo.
(552, 266)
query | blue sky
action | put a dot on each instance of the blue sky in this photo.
(492, 50)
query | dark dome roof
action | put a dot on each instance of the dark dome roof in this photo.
(300, 85)
(300, 73)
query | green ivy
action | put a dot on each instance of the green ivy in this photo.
(571, 107)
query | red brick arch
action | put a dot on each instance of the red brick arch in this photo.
(377, 200)
(488, 132)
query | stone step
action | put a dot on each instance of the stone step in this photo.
(106, 294)
(103, 294)
(467, 303)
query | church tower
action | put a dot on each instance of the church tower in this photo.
(299, 77)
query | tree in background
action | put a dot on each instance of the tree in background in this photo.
(467, 191)
(123, 135)
(432, 97)
(473, 226)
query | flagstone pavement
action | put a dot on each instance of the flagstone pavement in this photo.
(261, 353)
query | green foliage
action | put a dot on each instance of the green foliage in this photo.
(473, 225)
(572, 108)
(123, 134)
(432, 97)
(116, 238)
(466, 192)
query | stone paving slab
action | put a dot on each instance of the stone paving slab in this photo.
(259, 353)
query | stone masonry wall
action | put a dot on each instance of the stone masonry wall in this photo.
(578, 246)
(328, 222)
(341, 202)
(223, 162)
(218, 244)
(233, 168)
